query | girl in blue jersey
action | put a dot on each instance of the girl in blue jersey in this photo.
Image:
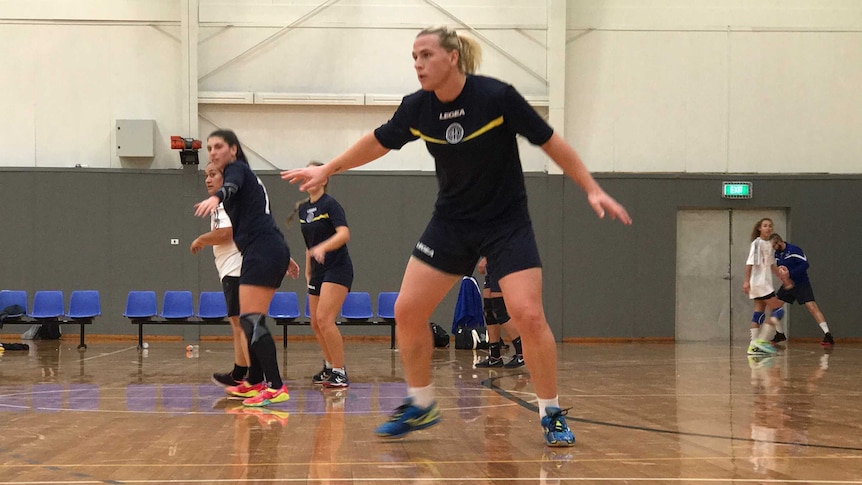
(265, 259)
(469, 124)
(329, 273)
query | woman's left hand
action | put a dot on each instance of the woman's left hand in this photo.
(293, 269)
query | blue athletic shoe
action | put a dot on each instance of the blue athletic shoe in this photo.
(557, 433)
(407, 418)
(765, 346)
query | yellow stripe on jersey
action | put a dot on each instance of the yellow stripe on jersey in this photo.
(490, 126)
(418, 133)
(321, 216)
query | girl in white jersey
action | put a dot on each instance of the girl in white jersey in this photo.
(759, 269)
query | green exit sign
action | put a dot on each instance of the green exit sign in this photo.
(736, 190)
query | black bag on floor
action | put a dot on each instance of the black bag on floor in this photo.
(441, 338)
(471, 338)
(49, 331)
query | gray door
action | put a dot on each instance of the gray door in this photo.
(712, 247)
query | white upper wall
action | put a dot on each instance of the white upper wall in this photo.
(651, 85)
(715, 86)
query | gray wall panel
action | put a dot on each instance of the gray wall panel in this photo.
(110, 230)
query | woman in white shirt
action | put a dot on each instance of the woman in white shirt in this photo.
(759, 269)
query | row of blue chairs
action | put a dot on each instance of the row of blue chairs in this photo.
(49, 307)
(178, 308)
(284, 306)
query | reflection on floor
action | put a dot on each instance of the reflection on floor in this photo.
(650, 412)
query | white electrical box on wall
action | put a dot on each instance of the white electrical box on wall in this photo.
(136, 138)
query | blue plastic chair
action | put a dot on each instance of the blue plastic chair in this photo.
(13, 297)
(141, 304)
(84, 304)
(284, 306)
(307, 307)
(284, 309)
(47, 305)
(357, 307)
(386, 312)
(386, 305)
(177, 305)
(212, 306)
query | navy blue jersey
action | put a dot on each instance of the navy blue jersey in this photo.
(796, 263)
(248, 208)
(318, 222)
(472, 140)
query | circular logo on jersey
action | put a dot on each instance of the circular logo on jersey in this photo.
(309, 217)
(455, 133)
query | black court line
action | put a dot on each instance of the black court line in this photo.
(490, 384)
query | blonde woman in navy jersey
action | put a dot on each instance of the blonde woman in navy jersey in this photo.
(469, 124)
(265, 259)
(329, 273)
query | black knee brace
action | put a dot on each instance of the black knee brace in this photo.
(489, 312)
(501, 314)
(254, 326)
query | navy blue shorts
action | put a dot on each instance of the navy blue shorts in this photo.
(264, 262)
(340, 275)
(801, 294)
(230, 287)
(454, 248)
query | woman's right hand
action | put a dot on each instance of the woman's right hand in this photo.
(206, 207)
(308, 177)
(746, 287)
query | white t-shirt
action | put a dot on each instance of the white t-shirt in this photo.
(228, 259)
(761, 257)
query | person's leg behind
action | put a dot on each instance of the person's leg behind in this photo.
(494, 347)
(329, 304)
(313, 299)
(230, 287)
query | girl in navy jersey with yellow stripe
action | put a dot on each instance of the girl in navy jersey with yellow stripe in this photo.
(469, 124)
(329, 273)
(265, 259)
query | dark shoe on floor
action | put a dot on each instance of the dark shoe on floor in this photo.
(828, 341)
(779, 337)
(225, 379)
(336, 379)
(517, 361)
(490, 362)
(321, 376)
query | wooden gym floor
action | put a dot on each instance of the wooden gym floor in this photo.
(641, 412)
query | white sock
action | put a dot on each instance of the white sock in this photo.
(422, 397)
(340, 370)
(545, 403)
(327, 364)
(824, 327)
(754, 332)
(778, 327)
(767, 332)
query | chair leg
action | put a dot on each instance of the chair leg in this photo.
(284, 336)
(392, 335)
(140, 336)
(81, 344)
